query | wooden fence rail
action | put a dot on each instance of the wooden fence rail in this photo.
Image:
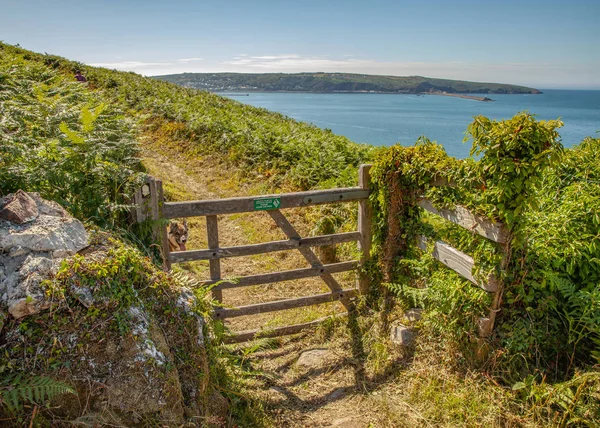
(462, 263)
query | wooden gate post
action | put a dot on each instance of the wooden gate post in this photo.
(364, 226)
(149, 201)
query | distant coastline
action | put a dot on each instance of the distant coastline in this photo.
(324, 83)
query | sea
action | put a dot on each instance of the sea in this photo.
(387, 119)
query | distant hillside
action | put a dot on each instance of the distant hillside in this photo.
(336, 82)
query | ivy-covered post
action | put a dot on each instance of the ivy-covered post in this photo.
(364, 227)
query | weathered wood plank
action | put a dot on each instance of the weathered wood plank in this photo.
(463, 217)
(212, 232)
(247, 335)
(267, 247)
(289, 275)
(458, 261)
(364, 225)
(281, 305)
(246, 204)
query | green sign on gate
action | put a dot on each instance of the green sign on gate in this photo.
(267, 204)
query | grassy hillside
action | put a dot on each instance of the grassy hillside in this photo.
(79, 144)
(336, 82)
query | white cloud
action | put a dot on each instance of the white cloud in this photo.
(190, 59)
(276, 57)
(129, 65)
(140, 65)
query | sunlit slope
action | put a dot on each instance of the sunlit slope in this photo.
(253, 139)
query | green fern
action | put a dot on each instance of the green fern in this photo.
(16, 390)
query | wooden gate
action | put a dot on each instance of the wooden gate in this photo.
(149, 201)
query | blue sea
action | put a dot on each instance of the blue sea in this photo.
(386, 119)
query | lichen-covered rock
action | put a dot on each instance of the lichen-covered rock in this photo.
(35, 235)
(126, 335)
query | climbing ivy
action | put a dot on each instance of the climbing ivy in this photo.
(548, 197)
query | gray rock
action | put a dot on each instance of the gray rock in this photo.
(29, 252)
(402, 335)
(313, 359)
(47, 233)
(187, 301)
(83, 295)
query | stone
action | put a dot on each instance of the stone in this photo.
(83, 295)
(187, 302)
(30, 251)
(414, 314)
(27, 306)
(48, 233)
(18, 208)
(402, 335)
(313, 359)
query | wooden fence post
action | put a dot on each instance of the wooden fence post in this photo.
(149, 205)
(364, 226)
(486, 324)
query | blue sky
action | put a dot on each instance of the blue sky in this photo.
(545, 44)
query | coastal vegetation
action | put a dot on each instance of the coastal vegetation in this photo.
(82, 146)
(336, 82)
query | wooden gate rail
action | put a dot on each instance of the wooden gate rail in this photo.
(156, 209)
(245, 335)
(280, 305)
(459, 262)
(288, 275)
(246, 204)
(462, 263)
(267, 247)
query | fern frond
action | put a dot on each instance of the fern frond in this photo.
(16, 390)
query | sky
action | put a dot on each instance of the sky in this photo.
(544, 44)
